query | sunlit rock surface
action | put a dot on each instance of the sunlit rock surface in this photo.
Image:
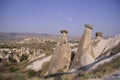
(84, 53)
(37, 65)
(100, 45)
(62, 55)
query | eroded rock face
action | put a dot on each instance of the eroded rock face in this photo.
(84, 54)
(100, 45)
(62, 55)
(112, 42)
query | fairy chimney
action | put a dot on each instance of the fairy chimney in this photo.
(16, 58)
(63, 39)
(100, 46)
(97, 44)
(62, 55)
(99, 34)
(84, 56)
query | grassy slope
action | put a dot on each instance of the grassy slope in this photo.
(105, 69)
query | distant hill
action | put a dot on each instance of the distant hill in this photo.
(20, 36)
(23, 35)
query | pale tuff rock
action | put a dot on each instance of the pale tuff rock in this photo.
(37, 65)
(62, 55)
(84, 54)
(99, 34)
(89, 50)
(32, 58)
(100, 45)
(63, 39)
(112, 42)
(16, 58)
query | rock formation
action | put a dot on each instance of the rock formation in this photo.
(90, 52)
(100, 45)
(84, 54)
(62, 55)
(16, 58)
(111, 43)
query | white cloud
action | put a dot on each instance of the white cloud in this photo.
(69, 19)
(60, 13)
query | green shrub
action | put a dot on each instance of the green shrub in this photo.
(11, 59)
(12, 69)
(83, 76)
(24, 57)
(31, 73)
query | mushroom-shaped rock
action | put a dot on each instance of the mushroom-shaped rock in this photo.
(84, 55)
(101, 46)
(63, 39)
(100, 34)
(61, 57)
(64, 31)
(98, 44)
(89, 26)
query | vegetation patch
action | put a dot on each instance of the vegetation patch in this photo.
(12, 69)
(44, 68)
(102, 70)
(24, 57)
(31, 73)
(12, 60)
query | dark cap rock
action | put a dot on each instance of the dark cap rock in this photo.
(88, 26)
(99, 34)
(64, 31)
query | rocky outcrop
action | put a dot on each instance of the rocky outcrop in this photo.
(102, 46)
(89, 50)
(37, 65)
(62, 55)
(98, 44)
(86, 56)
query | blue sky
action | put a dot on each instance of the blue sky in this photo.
(50, 16)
